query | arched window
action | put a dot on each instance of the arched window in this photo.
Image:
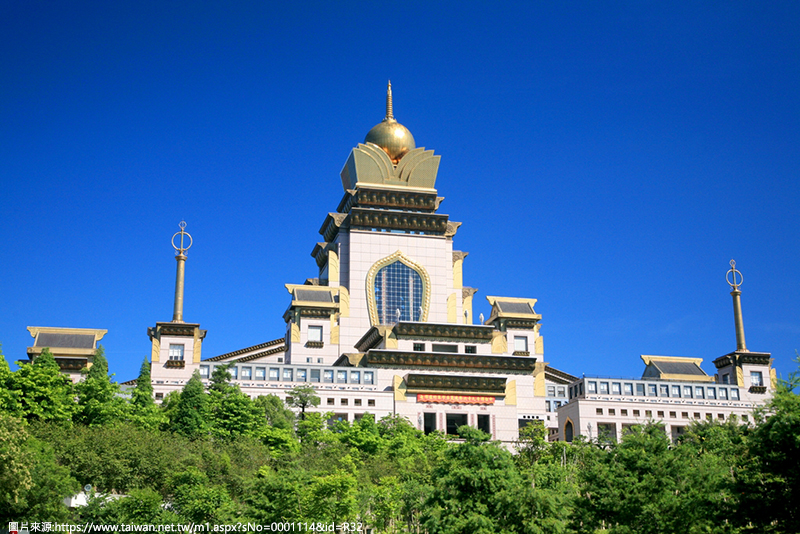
(568, 431)
(398, 293)
(397, 290)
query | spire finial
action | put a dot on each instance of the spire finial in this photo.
(389, 111)
(730, 277)
(180, 256)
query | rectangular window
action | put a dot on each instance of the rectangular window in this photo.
(685, 415)
(355, 377)
(419, 347)
(370, 402)
(356, 402)
(734, 394)
(341, 377)
(247, 373)
(697, 415)
(261, 373)
(234, 372)
(455, 420)
(652, 391)
(744, 417)
(315, 375)
(343, 402)
(640, 389)
(663, 391)
(636, 413)
(756, 378)
(616, 388)
(726, 378)
(604, 388)
(521, 343)
(547, 406)
(470, 349)
(175, 352)
(721, 417)
(676, 391)
(660, 414)
(319, 360)
(368, 377)
(612, 411)
(429, 422)
(628, 388)
(302, 375)
(698, 392)
(709, 417)
(673, 415)
(723, 394)
(483, 423)
(648, 414)
(315, 333)
(159, 396)
(551, 391)
(274, 373)
(309, 360)
(203, 371)
(623, 412)
(599, 411)
(580, 389)
(331, 401)
(288, 375)
(441, 347)
(591, 387)
(327, 376)
(712, 393)
(687, 392)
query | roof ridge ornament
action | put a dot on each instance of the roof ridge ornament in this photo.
(730, 277)
(389, 108)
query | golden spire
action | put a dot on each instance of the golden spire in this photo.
(730, 277)
(180, 257)
(389, 111)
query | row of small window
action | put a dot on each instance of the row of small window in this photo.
(556, 391)
(297, 375)
(655, 390)
(441, 347)
(660, 414)
(346, 402)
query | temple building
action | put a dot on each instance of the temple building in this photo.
(72, 348)
(386, 326)
(673, 390)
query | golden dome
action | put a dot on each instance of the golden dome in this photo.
(390, 135)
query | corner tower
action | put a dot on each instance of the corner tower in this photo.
(176, 345)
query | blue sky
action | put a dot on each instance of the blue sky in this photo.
(608, 159)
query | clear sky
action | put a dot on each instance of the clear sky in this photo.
(606, 158)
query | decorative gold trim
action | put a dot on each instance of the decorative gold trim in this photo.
(451, 309)
(499, 343)
(175, 364)
(388, 260)
(417, 383)
(511, 393)
(333, 268)
(399, 387)
(155, 353)
(538, 345)
(477, 362)
(539, 380)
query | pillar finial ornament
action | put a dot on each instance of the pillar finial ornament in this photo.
(389, 110)
(180, 257)
(734, 282)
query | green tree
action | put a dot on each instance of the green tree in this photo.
(275, 412)
(99, 402)
(32, 484)
(8, 398)
(774, 447)
(302, 397)
(143, 410)
(231, 412)
(190, 415)
(41, 392)
(477, 489)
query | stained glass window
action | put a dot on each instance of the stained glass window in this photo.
(398, 293)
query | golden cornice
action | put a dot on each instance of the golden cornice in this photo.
(467, 292)
(430, 223)
(459, 255)
(176, 329)
(96, 332)
(378, 265)
(452, 228)
(474, 362)
(423, 383)
(444, 331)
(373, 337)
